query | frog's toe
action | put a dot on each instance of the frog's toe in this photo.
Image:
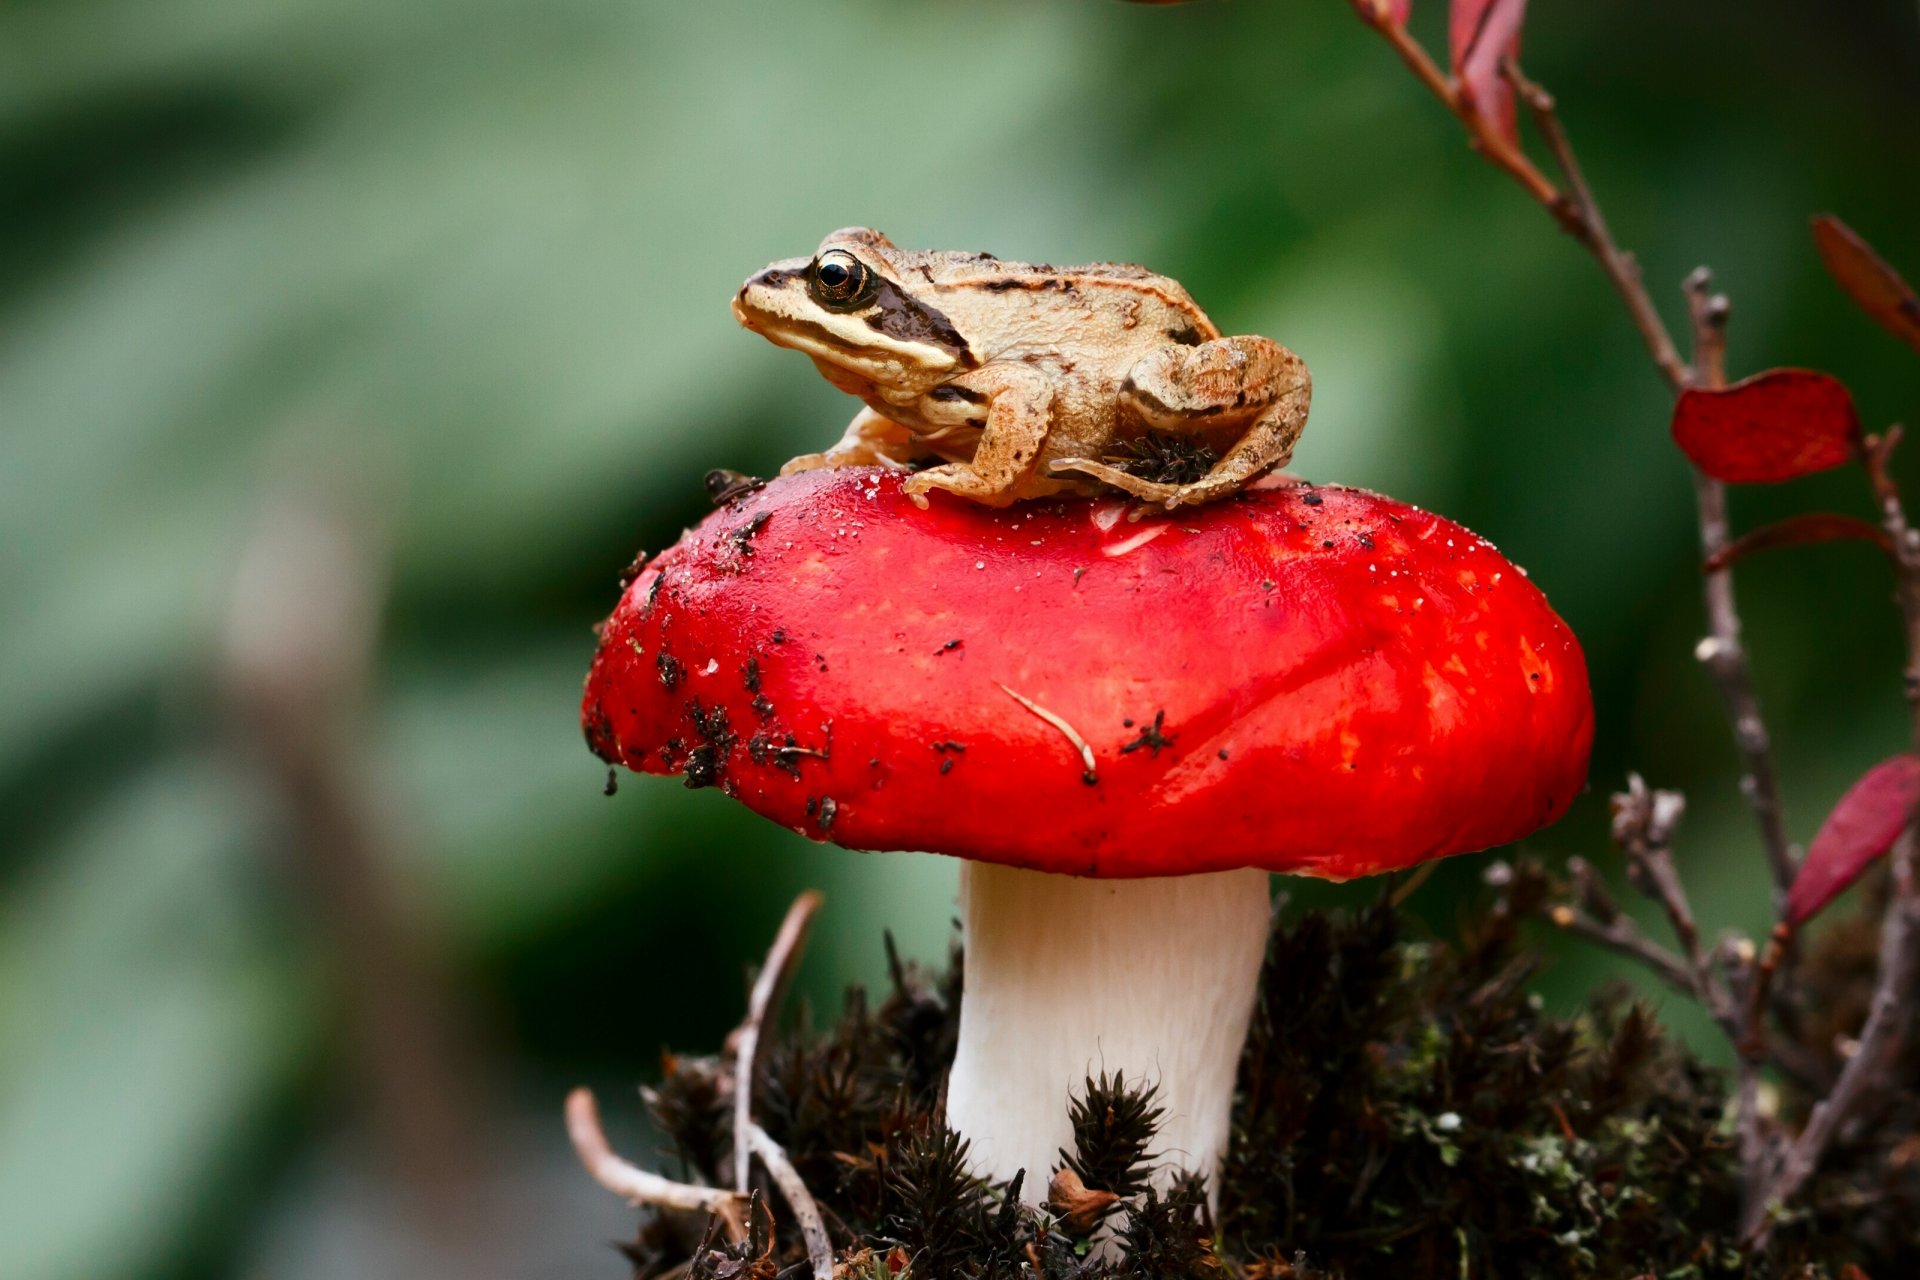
(1112, 476)
(806, 462)
(948, 476)
(1192, 495)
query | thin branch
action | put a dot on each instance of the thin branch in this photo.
(1584, 220)
(1876, 454)
(762, 1005)
(1643, 825)
(1753, 1036)
(813, 1228)
(1487, 140)
(1722, 652)
(1623, 937)
(1709, 312)
(635, 1184)
(1890, 1012)
(1880, 1040)
(1578, 212)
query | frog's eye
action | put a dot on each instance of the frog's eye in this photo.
(840, 280)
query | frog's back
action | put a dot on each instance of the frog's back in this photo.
(1152, 302)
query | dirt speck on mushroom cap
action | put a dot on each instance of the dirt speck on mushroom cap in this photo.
(1342, 684)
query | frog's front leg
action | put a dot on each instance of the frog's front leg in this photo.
(1019, 400)
(871, 439)
(1218, 384)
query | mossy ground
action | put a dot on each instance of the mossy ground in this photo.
(1405, 1109)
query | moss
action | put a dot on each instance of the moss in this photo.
(1405, 1108)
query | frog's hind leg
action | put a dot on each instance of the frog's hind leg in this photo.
(1213, 387)
(870, 440)
(1267, 445)
(1148, 490)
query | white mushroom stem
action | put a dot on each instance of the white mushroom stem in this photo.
(1067, 977)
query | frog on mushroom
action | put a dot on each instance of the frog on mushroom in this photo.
(1137, 724)
(1027, 380)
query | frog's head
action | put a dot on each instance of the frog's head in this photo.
(856, 309)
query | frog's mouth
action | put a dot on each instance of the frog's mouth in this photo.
(846, 348)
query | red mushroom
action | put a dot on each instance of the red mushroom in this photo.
(1307, 679)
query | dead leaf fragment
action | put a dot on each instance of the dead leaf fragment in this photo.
(1079, 1208)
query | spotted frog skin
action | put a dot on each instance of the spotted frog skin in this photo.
(1024, 380)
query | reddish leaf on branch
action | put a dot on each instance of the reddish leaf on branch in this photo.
(1800, 531)
(1868, 279)
(1771, 427)
(1480, 33)
(1861, 828)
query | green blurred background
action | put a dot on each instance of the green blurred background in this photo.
(356, 346)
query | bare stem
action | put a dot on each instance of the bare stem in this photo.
(1876, 453)
(635, 1184)
(1867, 1071)
(1722, 652)
(1643, 827)
(1579, 214)
(1890, 1013)
(764, 1003)
(1485, 138)
(813, 1228)
(1623, 937)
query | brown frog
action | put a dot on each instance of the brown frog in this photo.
(1028, 380)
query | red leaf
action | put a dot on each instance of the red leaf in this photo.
(1479, 34)
(1868, 279)
(1861, 828)
(1768, 428)
(1800, 531)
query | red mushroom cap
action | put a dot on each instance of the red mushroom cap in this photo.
(1304, 678)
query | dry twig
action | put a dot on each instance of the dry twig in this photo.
(635, 1184)
(750, 1140)
(1890, 1013)
(813, 1228)
(1722, 652)
(763, 1004)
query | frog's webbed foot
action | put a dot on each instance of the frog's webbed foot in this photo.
(961, 480)
(838, 457)
(807, 462)
(870, 440)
